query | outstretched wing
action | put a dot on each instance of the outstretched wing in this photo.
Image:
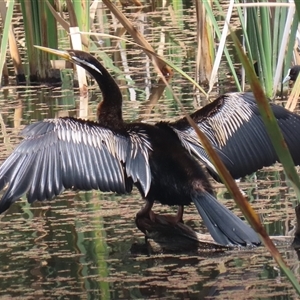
(66, 153)
(235, 128)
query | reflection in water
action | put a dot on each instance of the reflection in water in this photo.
(78, 246)
(53, 265)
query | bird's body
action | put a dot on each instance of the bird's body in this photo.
(160, 160)
(175, 173)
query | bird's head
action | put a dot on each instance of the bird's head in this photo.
(111, 94)
(292, 74)
(78, 57)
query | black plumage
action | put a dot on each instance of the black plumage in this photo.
(292, 74)
(112, 155)
(235, 128)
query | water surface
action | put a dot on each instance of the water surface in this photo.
(80, 245)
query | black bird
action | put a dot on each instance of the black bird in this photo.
(112, 155)
(292, 74)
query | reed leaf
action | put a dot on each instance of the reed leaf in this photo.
(216, 27)
(82, 11)
(40, 29)
(269, 30)
(5, 34)
(285, 44)
(85, 41)
(266, 32)
(294, 96)
(136, 35)
(297, 4)
(282, 152)
(205, 45)
(51, 25)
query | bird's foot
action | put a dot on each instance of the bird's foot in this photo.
(141, 219)
(145, 217)
(144, 213)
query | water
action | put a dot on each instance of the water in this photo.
(85, 245)
(79, 247)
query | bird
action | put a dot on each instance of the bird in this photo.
(292, 74)
(161, 160)
(113, 155)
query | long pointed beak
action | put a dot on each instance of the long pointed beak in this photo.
(287, 77)
(64, 54)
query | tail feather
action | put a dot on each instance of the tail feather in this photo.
(225, 227)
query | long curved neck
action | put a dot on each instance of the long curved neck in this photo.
(109, 111)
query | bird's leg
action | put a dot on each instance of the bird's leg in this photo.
(179, 216)
(145, 212)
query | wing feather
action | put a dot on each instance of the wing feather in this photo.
(236, 130)
(71, 153)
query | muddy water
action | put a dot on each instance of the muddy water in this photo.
(84, 245)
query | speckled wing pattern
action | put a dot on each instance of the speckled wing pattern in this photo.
(236, 130)
(64, 153)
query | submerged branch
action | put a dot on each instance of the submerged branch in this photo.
(163, 236)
